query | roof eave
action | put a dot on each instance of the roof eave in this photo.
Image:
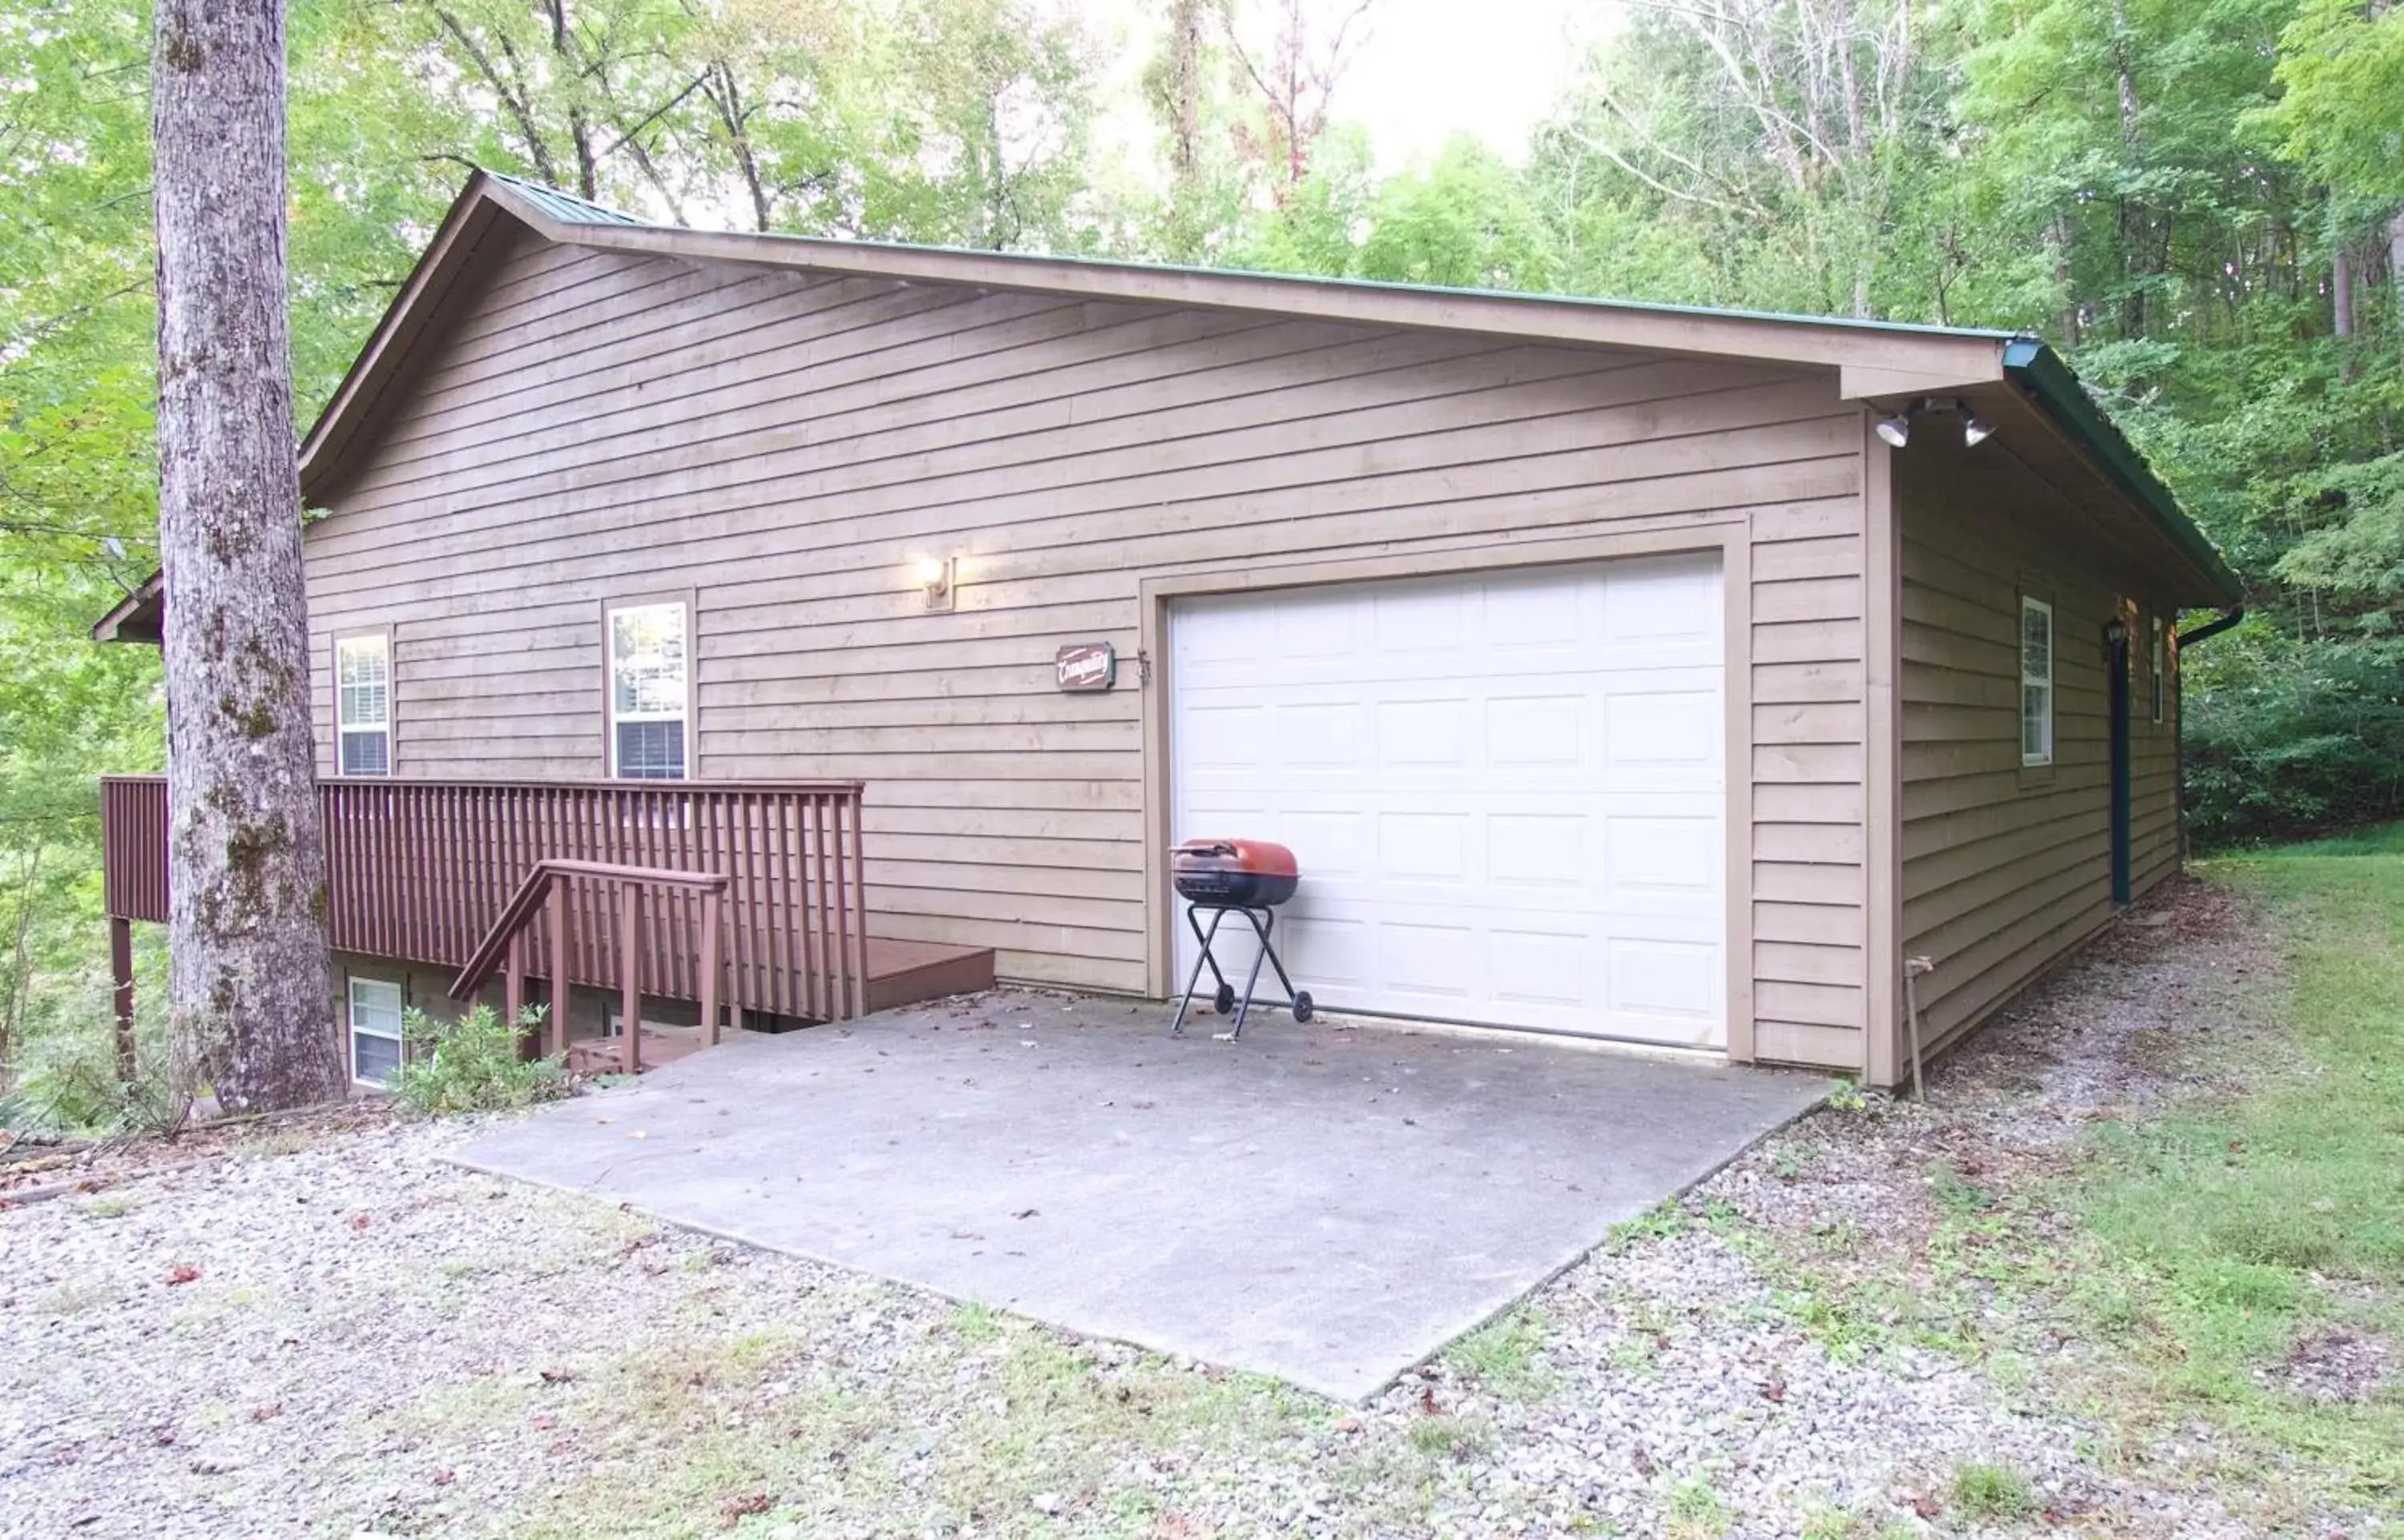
(419, 304)
(2040, 376)
(141, 616)
(1872, 359)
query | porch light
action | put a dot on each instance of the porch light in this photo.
(935, 577)
(1976, 430)
(1896, 431)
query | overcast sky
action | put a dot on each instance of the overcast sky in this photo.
(1430, 68)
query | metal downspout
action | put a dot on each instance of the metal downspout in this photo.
(2183, 641)
(2210, 628)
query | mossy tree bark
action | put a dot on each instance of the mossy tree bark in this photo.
(247, 928)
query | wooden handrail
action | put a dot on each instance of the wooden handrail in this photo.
(587, 783)
(418, 871)
(504, 945)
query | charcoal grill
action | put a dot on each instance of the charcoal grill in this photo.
(1234, 876)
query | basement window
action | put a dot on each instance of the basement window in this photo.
(363, 704)
(650, 691)
(376, 1030)
(2037, 681)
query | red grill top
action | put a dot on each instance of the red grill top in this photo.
(1256, 855)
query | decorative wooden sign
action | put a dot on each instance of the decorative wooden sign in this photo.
(1087, 667)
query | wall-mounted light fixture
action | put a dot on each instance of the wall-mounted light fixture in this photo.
(936, 579)
(1897, 429)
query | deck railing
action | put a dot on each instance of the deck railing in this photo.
(420, 870)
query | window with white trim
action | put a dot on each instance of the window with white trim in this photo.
(363, 706)
(650, 691)
(2157, 664)
(2037, 681)
(376, 1047)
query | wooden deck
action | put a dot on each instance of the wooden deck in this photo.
(422, 871)
(903, 973)
(900, 973)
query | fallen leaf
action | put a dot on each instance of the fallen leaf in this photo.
(1642, 1458)
(1347, 1424)
(1428, 1402)
(1025, 1213)
(443, 1479)
(358, 1222)
(737, 1508)
(1774, 1387)
(1925, 1506)
(557, 1377)
(182, 1272)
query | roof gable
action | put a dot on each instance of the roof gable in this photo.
(1885, 364)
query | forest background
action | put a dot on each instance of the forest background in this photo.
(2200, 202)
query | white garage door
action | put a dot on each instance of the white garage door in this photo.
(1505, 790)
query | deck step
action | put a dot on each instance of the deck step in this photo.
(903, 973)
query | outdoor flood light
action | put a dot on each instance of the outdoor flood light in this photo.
(1896, 429)
(935, 577)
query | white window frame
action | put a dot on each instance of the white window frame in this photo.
(344, 729)
(2036, 680)
(398, 1037)
(611, 716)
(2158, 662)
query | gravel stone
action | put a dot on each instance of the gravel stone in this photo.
(372, 1342)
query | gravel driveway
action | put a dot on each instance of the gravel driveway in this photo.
(342, 1334)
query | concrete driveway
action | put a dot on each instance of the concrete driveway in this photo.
(1329, 1204)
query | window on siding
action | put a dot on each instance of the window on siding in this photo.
(2037, 681)
(2156, 661)
(363, 706)
(376, 1030)
(649, 691)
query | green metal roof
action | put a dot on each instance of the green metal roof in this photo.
(566, 207)
(2047, 381)
(563, 206)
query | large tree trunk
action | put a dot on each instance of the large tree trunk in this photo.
(2396, 264)
(247, 931)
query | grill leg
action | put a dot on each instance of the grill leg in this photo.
(1253, 978)
(1177, 1028)
(1265, 922)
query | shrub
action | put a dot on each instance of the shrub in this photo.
(2285, 737)
(472, 1065)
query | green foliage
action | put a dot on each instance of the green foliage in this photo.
(1993, 1493)
(2342, 66)
(474, 1064)
(2241, 1236)
(1506, 1357)
(2285, 736)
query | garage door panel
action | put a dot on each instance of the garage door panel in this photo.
(1505, 791)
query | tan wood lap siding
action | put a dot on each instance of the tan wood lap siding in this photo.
(2006, 868)
(781, 444)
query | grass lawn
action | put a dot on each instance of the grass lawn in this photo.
(2251, 1246)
